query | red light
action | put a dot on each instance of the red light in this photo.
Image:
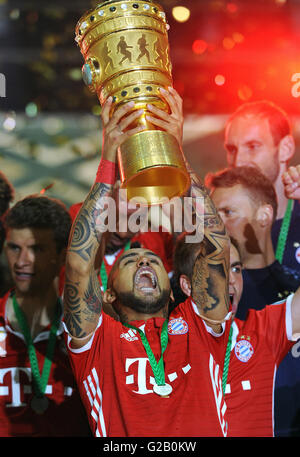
(245, 92)
(228, 43)
(199, 46)
(179, 86)
(238, 37)
(231, 7)
(220, 80)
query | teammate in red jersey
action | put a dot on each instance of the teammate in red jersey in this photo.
(38, 393)
(256, 347)
(146, 375)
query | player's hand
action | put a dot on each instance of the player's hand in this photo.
(291, 181)
(173, 122)
(114, 127)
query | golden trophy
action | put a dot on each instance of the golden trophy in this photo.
(126, 53)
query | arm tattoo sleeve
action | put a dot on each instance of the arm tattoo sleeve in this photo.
(210, 281)
(82, 292)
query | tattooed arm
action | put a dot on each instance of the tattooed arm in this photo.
(210, 280)
(82, 292)
(210, 276)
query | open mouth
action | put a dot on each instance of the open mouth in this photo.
(233, 303)
(23, 276)
(146, 280)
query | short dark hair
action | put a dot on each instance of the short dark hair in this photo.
(278, 120)
(41, 212)
(184, 257)
(7, 193)
(260, 188)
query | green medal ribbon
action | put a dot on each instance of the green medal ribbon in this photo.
(103, 274)
(226, 361)
(39, 382)
(284, 229)
(157, 367)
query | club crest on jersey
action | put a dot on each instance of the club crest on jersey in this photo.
(177, 327)
(244, 350)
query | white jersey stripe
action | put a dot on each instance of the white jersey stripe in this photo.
(94, 392)
(100, 410)
(94, 395)
(94, 416)
(88, 392)
(91, 385)
(218, 393)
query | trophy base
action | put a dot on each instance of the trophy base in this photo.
(152, 168)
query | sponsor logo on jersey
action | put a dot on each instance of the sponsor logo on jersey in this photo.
(130, 335)
(177, 327)
(140, 379)
(243, 350)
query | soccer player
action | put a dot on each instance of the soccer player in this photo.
(246, 202)
(259, 134)
(160, 241)
(255, 348)
(145, 375)
(38, 393)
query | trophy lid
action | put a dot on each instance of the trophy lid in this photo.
(101, 13)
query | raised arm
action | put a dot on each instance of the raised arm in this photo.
(82, 292)
(210, 282)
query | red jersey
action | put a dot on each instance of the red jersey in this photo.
(116, 381)
(65, 415)
(259, 344)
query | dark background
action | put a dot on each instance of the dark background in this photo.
(252, 44)
(39, 56)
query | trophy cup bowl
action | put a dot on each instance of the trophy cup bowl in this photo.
(126, 54)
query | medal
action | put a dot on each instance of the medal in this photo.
(162, 391)
(160, 387)
(39, 404)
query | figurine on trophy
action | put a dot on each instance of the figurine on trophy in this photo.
(126, 52)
